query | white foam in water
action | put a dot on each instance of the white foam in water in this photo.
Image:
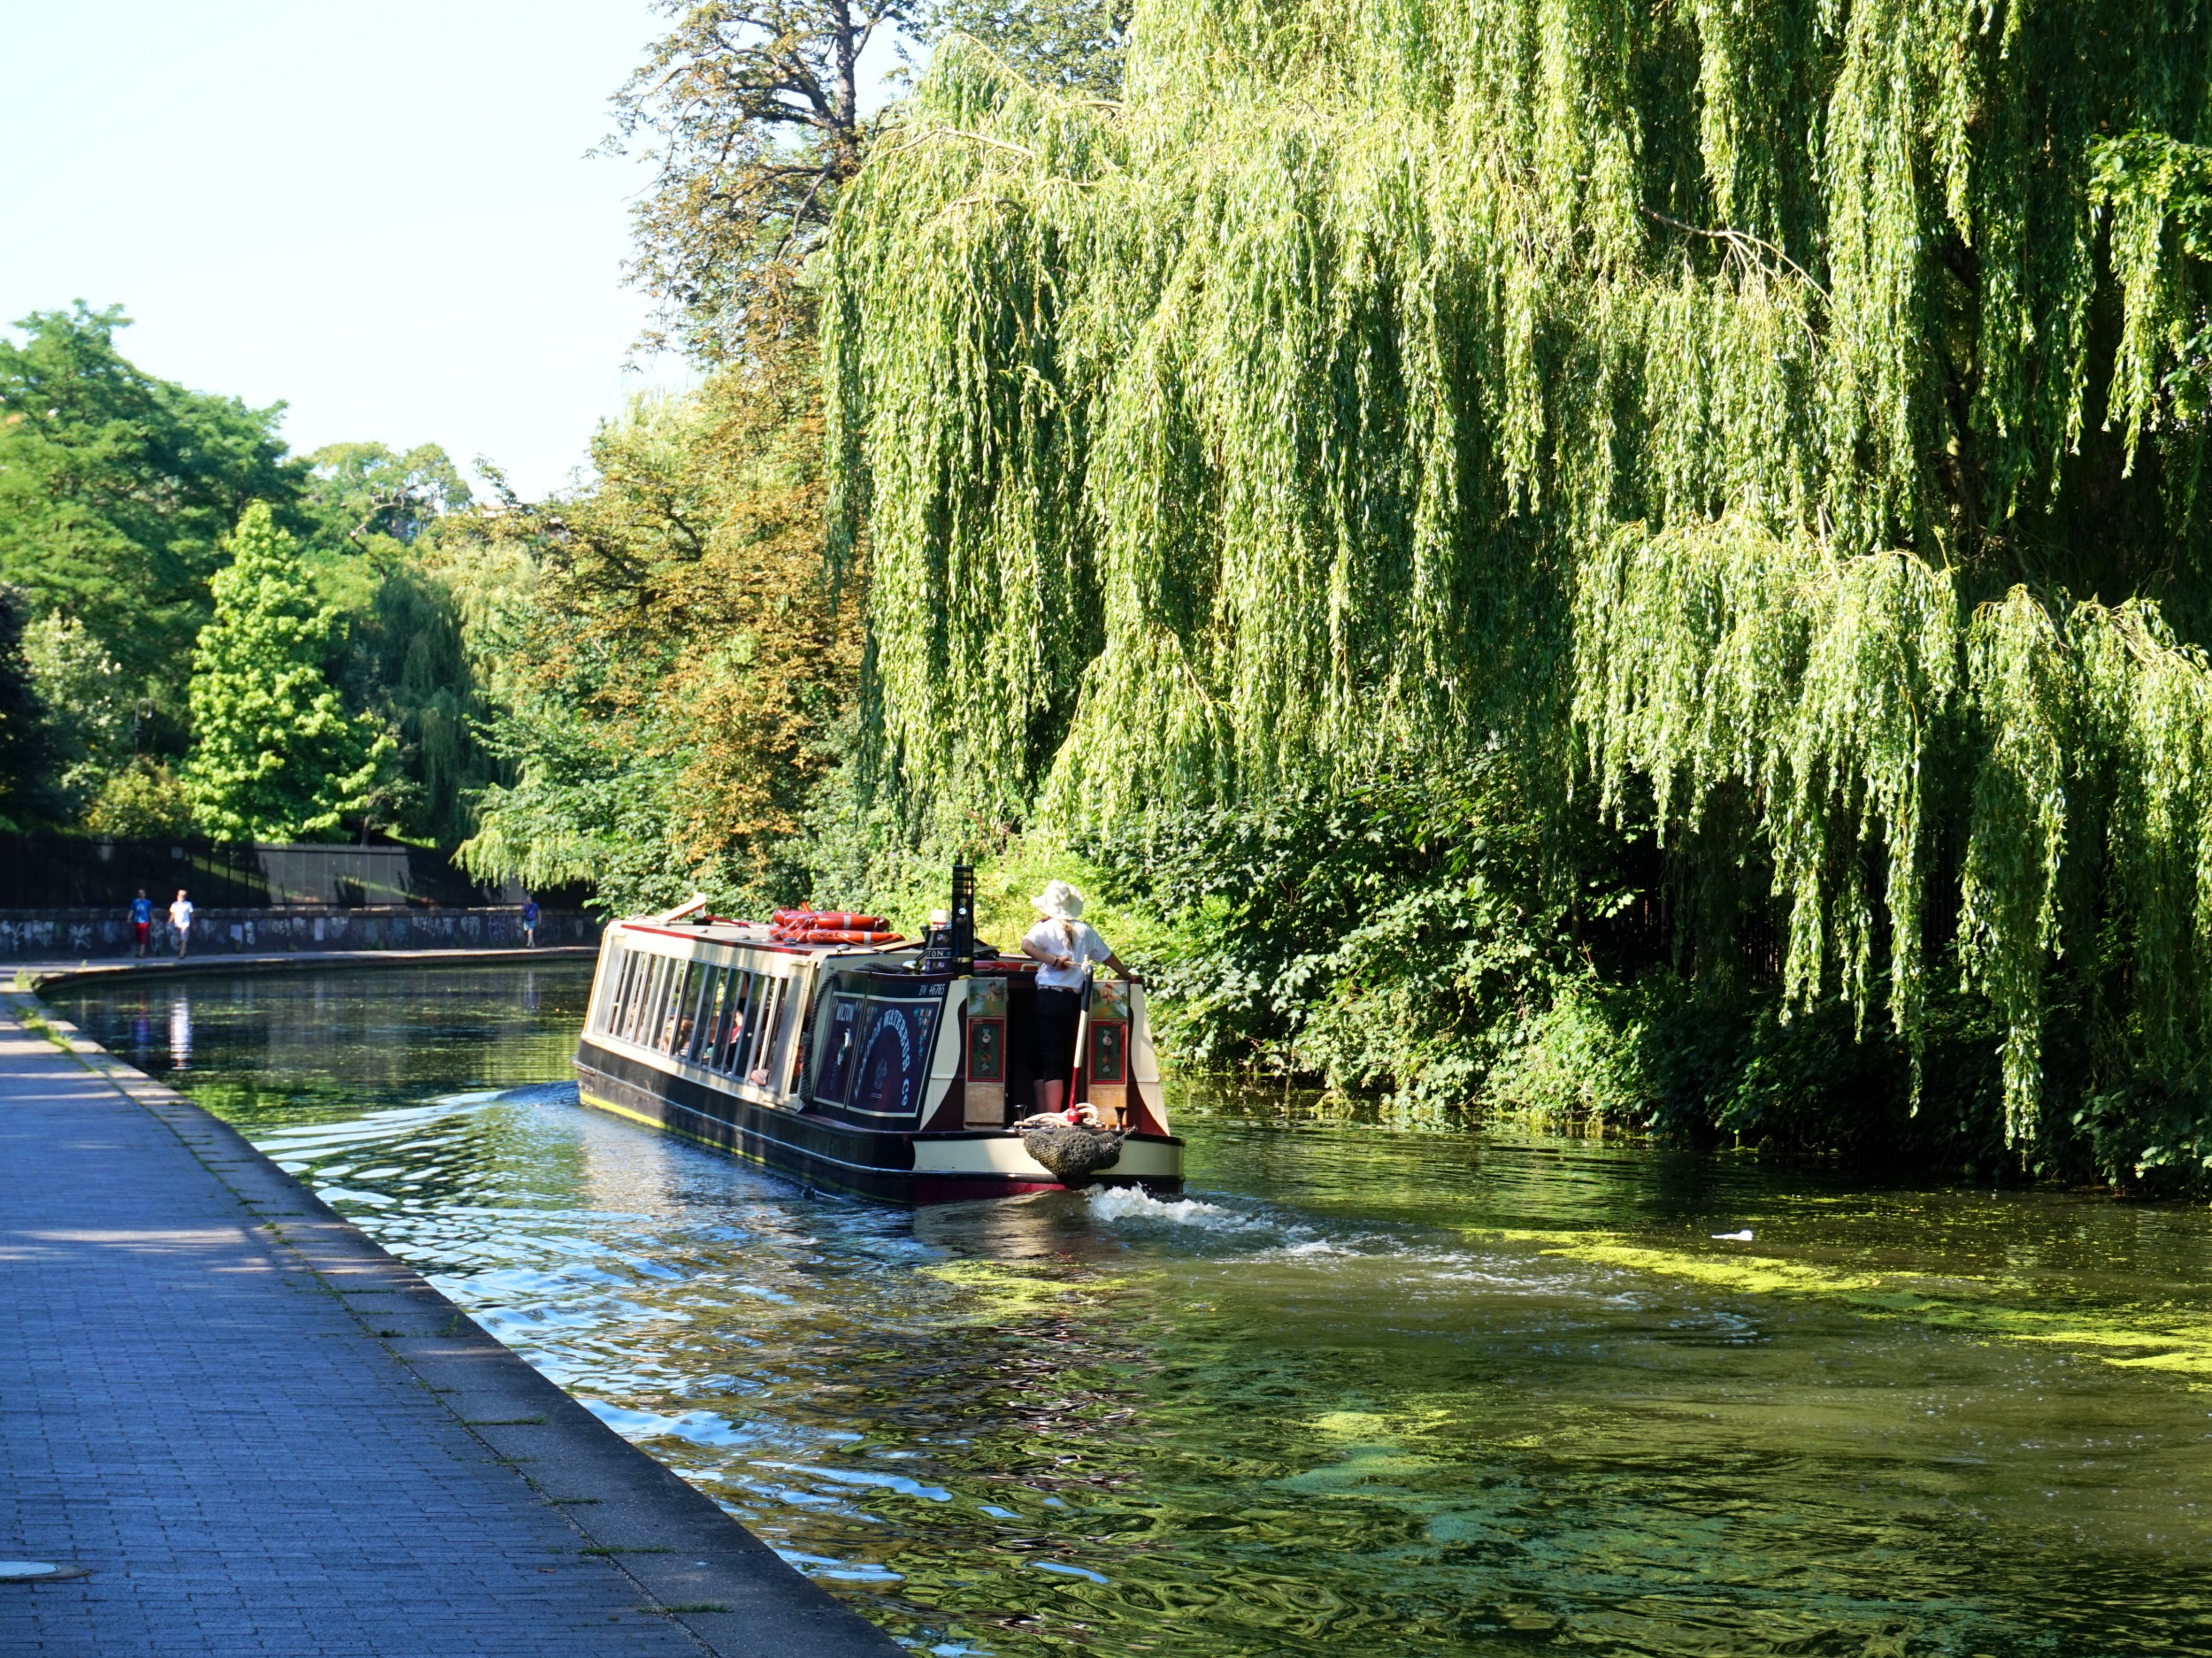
(1129, 1203)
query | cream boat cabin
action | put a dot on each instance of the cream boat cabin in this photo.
(850, 1067)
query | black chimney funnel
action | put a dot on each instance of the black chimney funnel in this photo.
(964, 917)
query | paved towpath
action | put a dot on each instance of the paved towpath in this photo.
(261, 1434)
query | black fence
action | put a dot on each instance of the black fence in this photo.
(40, 871)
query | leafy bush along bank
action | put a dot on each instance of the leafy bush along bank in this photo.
(1417, 955)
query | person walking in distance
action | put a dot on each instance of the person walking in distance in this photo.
(180, 921)
(142, 923)
(529, 923)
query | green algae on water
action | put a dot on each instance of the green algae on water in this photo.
(2143, 1339)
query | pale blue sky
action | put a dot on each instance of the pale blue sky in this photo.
(382, 216)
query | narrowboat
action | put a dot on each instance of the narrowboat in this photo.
(886, 1070)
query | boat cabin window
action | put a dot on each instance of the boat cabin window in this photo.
(659, 988)
(664, 977)
(741, 1040)
(633, 1009)
(606, 1016)
(726, 1018)
(681, 1023)
(637, 1006)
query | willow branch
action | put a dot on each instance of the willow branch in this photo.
(1737, 239)
(961, 131)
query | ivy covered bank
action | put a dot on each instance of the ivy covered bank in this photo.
(1662, 547)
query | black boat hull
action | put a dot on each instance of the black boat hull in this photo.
(907, 1168)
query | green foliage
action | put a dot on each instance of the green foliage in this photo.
(2092, 839)
(277, 756)
(1393, 938)
(1715, 660)
(91, 717)
(26, 731)
(362, 491)
(1726, 406)
(591, 802)
(410, 664)
(117, 491)
(1069, 45)
(2156, 192)
(1747, 1071)
(144, 802)
(679, 669)
(751, 117)
(1573, 1064)
(402, 652)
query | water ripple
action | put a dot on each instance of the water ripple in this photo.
(1403, 1394)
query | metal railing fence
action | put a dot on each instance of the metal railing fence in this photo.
(46, 871)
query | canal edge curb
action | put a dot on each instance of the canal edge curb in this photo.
(688, 1560)
(34, 978)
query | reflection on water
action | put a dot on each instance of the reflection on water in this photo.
(1358, 1391)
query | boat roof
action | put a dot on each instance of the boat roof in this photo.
(720, 930)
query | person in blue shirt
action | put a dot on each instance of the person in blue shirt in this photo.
(529, 923)
(142, 922)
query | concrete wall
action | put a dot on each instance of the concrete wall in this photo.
(85, 934)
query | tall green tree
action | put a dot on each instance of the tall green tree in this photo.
(117, 490)
(685, 667)
(1789, 422)
(276, 756)
(365, 491)
(402, 652)
(753, 120)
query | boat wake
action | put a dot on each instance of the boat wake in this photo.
(1123, 1203)
(1259, 1233)
(1414, 1261)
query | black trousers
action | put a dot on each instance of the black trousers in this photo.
(1052, 1055)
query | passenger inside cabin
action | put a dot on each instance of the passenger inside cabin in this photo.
(1066, 945)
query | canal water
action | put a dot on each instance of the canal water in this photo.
(1358, 1392)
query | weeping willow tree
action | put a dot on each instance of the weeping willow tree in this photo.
(1789, 417)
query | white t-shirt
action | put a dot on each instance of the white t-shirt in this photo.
(1076, 938)
(181, 914)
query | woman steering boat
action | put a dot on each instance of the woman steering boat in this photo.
(825, 1047)
(1065, 944)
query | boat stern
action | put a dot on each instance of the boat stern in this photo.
(949, 1167)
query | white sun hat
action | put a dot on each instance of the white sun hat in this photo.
(1059, 900)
